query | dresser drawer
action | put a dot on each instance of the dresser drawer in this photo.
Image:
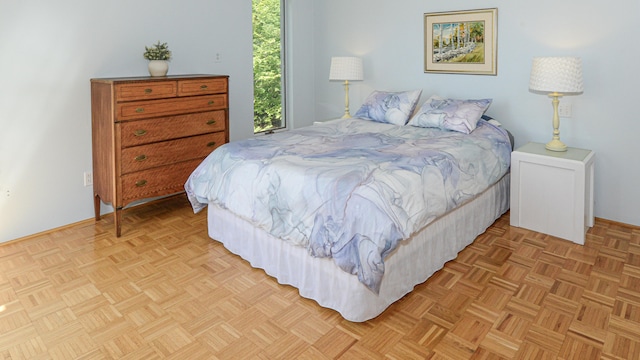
(144, 109)
(146, 91)
(156, 182)
(141, 132)
(202, 87)
(144, 157)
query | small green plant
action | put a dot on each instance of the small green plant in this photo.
(159, 51)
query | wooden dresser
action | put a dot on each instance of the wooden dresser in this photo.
(150, 133)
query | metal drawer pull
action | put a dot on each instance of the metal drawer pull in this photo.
(139, 110)
(211, 102)
(140, 132)
(148, 91)
(203, 86)
(211, 144)
(142, 157)
(211, 122)
(141, 183)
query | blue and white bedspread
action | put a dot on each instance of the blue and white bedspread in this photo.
(350, 189)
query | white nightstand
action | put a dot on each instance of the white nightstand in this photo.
(552, 192)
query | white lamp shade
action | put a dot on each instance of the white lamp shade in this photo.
(556, 74)
(346, 68)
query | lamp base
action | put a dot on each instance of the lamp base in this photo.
(346, 115)
(556, 145)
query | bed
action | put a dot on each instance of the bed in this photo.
(354, 213)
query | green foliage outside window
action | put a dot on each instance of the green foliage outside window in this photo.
(267, 65)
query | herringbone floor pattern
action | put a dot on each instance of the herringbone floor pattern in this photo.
(165, 290)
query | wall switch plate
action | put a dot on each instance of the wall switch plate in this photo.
(564, 110)
(88, 178)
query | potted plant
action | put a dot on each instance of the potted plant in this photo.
(158, 56)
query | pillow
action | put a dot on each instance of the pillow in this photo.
(450, 114)
(389, 107)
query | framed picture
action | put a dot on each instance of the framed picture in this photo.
(461, 42)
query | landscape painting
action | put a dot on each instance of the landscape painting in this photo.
(461, 42)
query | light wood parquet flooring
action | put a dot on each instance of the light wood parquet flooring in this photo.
(164, 290)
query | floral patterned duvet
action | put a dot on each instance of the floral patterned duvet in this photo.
(350, 189)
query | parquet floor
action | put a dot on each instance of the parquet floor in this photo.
(164, 290)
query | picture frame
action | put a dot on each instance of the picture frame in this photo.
(461, 42)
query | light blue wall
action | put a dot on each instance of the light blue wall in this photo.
(388, 35)
(50, 49)
(300, 61)
(48, 52)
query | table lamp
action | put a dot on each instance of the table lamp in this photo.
(556, 77)
(346, 69)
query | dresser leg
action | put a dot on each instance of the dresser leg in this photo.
(117, 219)
(96, 206)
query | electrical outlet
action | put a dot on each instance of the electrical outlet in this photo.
(218, 58)
(88, 178)
(564, 110)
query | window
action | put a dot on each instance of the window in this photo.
(268, 65)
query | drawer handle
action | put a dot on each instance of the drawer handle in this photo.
(140, 132)
(211, 122)
(203, 87)
(211, 144)
(141, 183)
(139, 110)
(148, 91)
(142, 157)
(211, 102)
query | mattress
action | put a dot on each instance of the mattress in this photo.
(320, 279)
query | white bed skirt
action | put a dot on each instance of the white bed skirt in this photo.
(412, 263)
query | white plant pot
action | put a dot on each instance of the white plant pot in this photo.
(158, 67)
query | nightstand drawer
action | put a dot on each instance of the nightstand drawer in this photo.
(157, 182)
(202, 87)
(144, 157)
(151, 108)
(146, 91)
(141, 132)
